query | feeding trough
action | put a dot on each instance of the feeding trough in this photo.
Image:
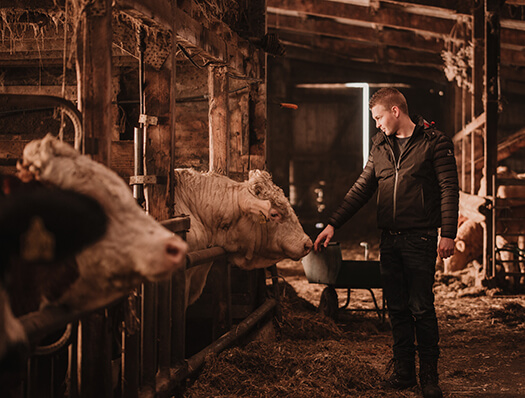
(328, 267)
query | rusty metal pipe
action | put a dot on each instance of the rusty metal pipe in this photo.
(28, 100)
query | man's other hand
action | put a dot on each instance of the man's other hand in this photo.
(446, 247)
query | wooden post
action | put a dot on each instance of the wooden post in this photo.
(492, 60)
(258, 126)
(478, 39)
(178, 282)
(158, 140)
(218, 88)
(219, 123)
(94, 70)
(239, 134)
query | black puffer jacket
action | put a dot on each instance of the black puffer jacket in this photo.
(420, 192)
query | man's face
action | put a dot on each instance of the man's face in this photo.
(386, 119)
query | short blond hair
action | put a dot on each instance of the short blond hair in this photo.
(389, 97)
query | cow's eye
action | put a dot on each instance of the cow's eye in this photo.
(275, 215)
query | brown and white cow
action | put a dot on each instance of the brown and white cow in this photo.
(42, 229)
(469, 240)
(251, 220)
(134, 248)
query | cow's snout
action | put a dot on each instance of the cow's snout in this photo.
(176, 250)
(308, 246)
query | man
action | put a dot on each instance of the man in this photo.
(413, 167)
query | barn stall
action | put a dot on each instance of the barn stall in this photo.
(304, 132)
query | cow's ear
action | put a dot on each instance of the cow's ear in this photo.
(249, 204)
(460, 246)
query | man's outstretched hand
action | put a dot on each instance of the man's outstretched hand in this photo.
(324, 237)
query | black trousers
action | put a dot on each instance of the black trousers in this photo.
(408, 261)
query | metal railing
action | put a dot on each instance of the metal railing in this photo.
(134, 347)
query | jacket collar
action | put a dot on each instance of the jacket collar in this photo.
(422, 127)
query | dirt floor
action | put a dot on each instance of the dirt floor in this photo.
(309, 355)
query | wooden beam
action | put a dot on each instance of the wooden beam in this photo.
(364, 34)
(386, 15)
(512, 57)
(213, 40)
(327, 57)
(363, 51)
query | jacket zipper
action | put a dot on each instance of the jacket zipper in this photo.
(396, 176)
(396, 169)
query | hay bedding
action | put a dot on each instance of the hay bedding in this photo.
(312, 357)
(286, 369)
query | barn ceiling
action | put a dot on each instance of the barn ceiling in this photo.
(416, 38)
(425, 39)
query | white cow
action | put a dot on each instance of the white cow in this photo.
(252, 220)
(134, 248)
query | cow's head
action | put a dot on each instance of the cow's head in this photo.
(135, 247)
(281, 234)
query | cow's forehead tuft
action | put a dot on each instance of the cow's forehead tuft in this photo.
(267, 190)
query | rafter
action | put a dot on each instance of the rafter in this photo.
(383, 16)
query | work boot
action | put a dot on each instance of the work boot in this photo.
(429, 379)
(403, 376)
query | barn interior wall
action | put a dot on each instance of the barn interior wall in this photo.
(192, 131)
(323, 136)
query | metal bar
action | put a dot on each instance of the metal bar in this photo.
(222, 305)
(204, 256)
(148, 337)
(472, 164)
(276, 295)
(177, 224)
(96, 362)
(138, 164)
(164, 322)
(49, 319)
(196, 361)
(68, 107)
(470, 128)
(463, 163)
(178, 314)
(131, 347)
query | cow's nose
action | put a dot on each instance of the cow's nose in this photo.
(176, 250)
(308, 246)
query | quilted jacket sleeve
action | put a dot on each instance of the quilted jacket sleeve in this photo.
(357, 196)
(447, 175)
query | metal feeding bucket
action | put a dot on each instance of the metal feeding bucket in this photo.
(323, 266)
